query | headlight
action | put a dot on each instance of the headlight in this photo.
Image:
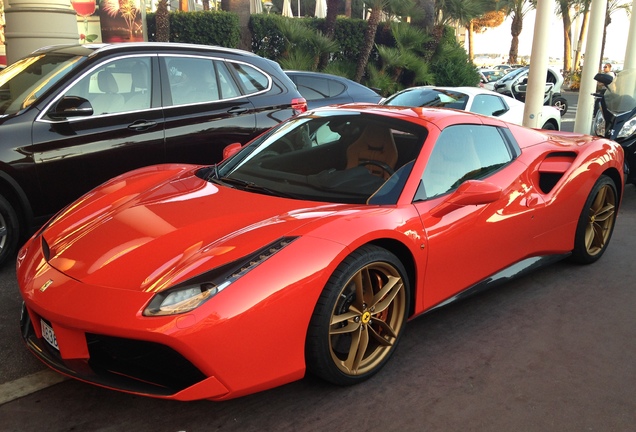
(628, 128)
(194, 292)
(181, 300)
(598, 125)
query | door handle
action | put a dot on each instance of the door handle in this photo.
(237, 110)
(142, 125)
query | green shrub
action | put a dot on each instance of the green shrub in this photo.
(205, 28)
(450, 64)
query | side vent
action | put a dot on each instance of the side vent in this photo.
(552, 168)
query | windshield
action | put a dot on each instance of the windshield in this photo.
(621, 95)
(24, 81)
(428, 97)
(513, 74)
(327, 156)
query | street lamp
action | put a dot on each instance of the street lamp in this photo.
(268, 5)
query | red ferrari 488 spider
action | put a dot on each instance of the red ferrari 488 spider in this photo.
(308, 250)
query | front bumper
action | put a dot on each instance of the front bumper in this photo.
(129, 365)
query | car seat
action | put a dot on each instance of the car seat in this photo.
(140, 93)
(375, 144)
(109, 101)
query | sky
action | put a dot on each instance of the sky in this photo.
(497, 40)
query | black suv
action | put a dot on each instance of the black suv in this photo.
(72, 117)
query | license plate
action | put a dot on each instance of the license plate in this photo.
(49, 335)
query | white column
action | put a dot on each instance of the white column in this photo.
(33, 24)
(585, 109)
(630, 50)
(532, 116)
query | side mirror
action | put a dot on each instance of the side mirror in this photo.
(71, 106)
(604, 79)
(231, 150)
(471, 192)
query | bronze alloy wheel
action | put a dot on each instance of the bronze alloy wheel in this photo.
(596, 222)
(359, 318)
(600, 220)
(367, 318)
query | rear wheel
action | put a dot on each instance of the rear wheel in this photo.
(561, 104)
(9, 231)
(549, 126)
(596, 222)
(359, 317)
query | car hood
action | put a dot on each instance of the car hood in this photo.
(162, 225)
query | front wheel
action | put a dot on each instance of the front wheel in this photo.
(596, 222)
(359, 317)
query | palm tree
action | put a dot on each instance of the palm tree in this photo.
(162, 21)
(242, 9)
(460, 11)
(563, 9)
(369, 37)
(463, 12)
(517, 10)
(303, 45)
(583, 9)
(490, 19)
(402, 65)
(612, 7)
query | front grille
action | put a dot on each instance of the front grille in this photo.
(119, 363)
(146, 362)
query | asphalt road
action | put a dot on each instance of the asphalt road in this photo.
(553, 351)
(567, 121)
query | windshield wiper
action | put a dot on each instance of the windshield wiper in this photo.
(251, 187)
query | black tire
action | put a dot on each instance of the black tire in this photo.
(9, 231)
(549, 126)
(561, 104)
(596, 223)
(353, 333)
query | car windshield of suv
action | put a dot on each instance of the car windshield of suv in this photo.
(351, 158)
(24, 81)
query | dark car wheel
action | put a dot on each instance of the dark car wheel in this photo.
(596, 222)
(9, 231)
(561, 104)
(359, 317)
(549, 126)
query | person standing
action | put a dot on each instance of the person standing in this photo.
(607, 70)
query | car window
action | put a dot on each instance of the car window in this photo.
(253, 80)
(227, 86)
(429, 98)
(463, 152)
(313, 88)
(24, 81)
(118, 86)
(192, 80)
(489, 105)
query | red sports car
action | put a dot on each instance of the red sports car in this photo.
(308, 250)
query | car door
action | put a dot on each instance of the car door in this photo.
(125, 131)
(467, 244)
(205, 108)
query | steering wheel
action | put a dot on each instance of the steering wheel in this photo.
(385, 167)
